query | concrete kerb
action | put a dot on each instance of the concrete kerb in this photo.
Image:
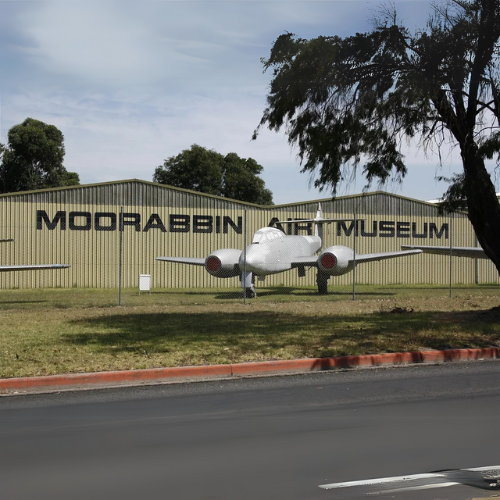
(164, 375)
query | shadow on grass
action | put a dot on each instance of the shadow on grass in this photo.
(297, 292)
(21, 302)
(286, 292)
(271, 332)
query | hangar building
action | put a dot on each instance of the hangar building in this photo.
(83, 225)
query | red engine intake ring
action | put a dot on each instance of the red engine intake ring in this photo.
(213, 264)
(328, 261)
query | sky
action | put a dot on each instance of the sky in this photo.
(131, 83)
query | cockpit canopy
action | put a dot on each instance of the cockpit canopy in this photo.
(267, 234)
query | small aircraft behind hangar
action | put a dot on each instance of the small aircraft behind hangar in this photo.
(272, 252)
(29, 267)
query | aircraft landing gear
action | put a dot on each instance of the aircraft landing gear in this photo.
(322, 282)
(248, 284)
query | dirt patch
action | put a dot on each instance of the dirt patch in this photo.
(401, 310)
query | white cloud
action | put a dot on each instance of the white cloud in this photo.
(96, 44)
(142, 44)
(132, 83)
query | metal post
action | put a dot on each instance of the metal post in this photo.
(120, 259)
(354, 260)
(243, 276)
(476, 261)
(451, 251)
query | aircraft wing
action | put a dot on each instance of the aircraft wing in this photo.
(369, 257)
(6, 240)
(473, 252)
(33, 267)
(311, 260)
(194, 261)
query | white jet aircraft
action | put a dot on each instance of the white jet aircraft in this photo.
(29, 267)
(272, 251)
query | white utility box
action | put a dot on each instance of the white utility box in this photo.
(144, 283)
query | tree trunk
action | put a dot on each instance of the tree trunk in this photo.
(483, 205)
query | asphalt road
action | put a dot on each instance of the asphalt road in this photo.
(266, 438)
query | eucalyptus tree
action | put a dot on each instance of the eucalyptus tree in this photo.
(205, 170)
(33, 158)
(351, 102)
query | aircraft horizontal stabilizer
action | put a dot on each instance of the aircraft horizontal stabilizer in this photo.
(317, 220)
(471, 252)
(7, 240)
(194, 261)
(33, 267)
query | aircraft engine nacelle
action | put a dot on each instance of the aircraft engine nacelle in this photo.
(223, 263)
(336, 260)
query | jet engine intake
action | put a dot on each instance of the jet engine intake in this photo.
(336, 260)
(223, 263)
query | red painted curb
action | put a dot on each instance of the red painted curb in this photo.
(115, 377)
(254, 368)
(459, 355)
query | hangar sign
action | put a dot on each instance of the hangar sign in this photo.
(382, 229)
(183, 223)
(108, 221)
(398, 229)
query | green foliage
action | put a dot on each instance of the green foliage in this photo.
(455, 198)
(350, 103)
(69, 179)
(207, 171)
(352, 100)
(33, 158)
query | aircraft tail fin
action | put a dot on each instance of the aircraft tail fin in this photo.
(318, 228)
(318, 221)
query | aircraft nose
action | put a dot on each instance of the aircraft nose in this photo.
(252, 261)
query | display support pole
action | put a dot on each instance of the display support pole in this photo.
(120, 259)
(451, 251)
(354, 260)
(476, 243)
(243, 276)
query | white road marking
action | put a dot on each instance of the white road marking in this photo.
(415, 488)
(382, 480)
(412, 477)
(485, 468)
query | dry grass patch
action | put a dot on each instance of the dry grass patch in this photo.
(70, 331)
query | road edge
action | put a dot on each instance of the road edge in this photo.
(76, 381)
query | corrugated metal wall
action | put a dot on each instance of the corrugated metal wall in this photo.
(80, 226)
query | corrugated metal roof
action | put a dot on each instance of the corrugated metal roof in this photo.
(52, 195)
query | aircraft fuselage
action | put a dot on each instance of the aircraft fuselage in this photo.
(277, 254)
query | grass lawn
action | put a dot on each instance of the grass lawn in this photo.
(55, 331)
